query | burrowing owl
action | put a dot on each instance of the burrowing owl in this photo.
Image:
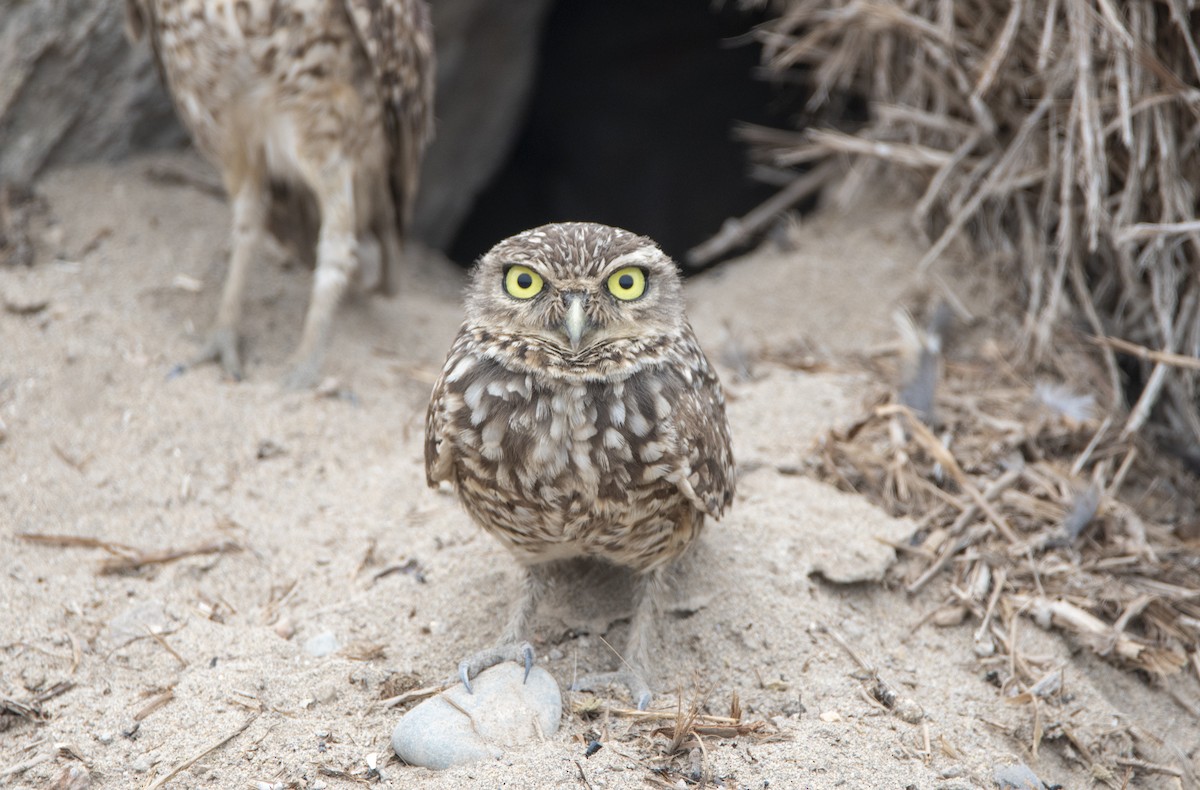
(577, 416)
(332, 96)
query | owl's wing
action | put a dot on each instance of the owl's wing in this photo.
(704, 457)
(397, 37)
(439, 458)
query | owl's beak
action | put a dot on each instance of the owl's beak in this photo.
(576, 321)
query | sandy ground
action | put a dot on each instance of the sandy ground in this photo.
(323, 496)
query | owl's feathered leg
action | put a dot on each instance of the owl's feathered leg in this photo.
(383, 226)
(651, 586)
(337, 262)
(249, 224)
(512, 646)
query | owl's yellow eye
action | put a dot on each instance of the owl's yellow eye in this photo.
(628, 283)
(522, 282)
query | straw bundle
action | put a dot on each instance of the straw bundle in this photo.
(1030, 508)
(1061, 138)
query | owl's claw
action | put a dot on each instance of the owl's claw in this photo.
(639, 690)
(222, 348)
(464, 675)
(521, 653)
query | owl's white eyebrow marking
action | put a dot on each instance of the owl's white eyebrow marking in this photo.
(642, 255)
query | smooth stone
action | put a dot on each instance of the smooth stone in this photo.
(322, 645)
(1017, 777)
(136, 621)
(501, 714)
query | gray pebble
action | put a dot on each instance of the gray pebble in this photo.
(141, 764)
(322, 645)
(326, 693)
(501, 714)
(134, 622)
(1017, 777)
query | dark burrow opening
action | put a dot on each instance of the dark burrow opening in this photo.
(630, 122)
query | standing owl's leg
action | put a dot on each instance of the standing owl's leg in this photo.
(646, 606)
(383, 225)
(389, 242)
(337, 261)
(512, 646)
(249, 223)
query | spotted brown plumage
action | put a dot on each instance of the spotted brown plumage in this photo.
(332, 96)
(609, 443)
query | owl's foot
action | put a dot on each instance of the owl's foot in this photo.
(222, 348)
(639, 690)
(521, 653)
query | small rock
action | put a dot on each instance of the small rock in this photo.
(285, 628)
(21, 303)
(326, 694)
(1017, 777)
(908, 710)
(140, 764)
(136, 621)
(950, 617)
(322, 645)
(269, 448)
(502, 713)
(73, 777)
(105, 737)
(33, 678)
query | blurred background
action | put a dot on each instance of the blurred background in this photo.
(620, 112)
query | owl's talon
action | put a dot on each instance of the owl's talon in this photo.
(638, 689)
(465, 676)
(222, 348)
(519, 653)
(527, 653)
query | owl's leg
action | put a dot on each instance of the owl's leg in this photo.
(249, 223)
(337, 262)
(512, 646)
(383, 226)
(647, 604)
(389, 242)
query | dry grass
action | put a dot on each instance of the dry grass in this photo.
(1061, 138)
(1032, 505)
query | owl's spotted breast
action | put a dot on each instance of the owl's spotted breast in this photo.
(611, 457)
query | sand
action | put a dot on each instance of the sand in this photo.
(319, 522)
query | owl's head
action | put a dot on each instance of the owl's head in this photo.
(576, 285)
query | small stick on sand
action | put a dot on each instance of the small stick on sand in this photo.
(162, 642)
(77, 541)
(740, 231)
(1150, 768)
(141, 559)
(207, 750)
(414, 695)
(156, 702)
